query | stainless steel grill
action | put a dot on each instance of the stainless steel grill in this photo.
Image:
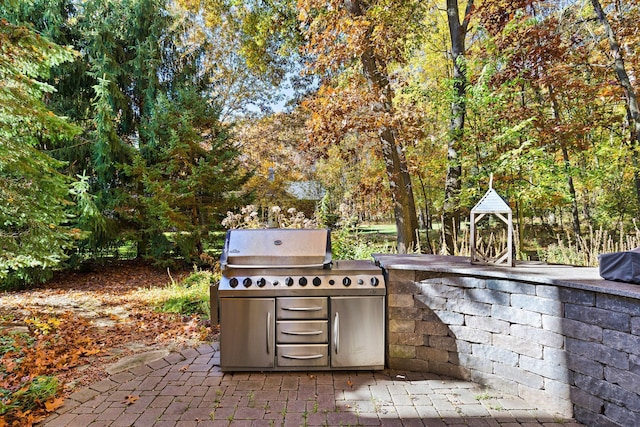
(285, 305)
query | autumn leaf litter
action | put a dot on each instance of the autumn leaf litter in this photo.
(111, 309)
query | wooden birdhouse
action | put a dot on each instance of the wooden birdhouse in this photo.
(491, 236)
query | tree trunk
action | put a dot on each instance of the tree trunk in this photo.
(451, 208)
(630, 94)
(567, 167)
(374, 70)
(427, 217)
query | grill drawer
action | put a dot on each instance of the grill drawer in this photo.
(303, 356)
(302, 332)
(302, 308)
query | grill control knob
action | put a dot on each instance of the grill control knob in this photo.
(316, 281)
(233, 282)
(261, 282)
(303, 281)
(332, 282)
(288, 281)
(375, 281)
(247, 282)
(360, 282)
(346, 281)
(276, 282)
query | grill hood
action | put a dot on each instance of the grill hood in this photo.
(276, 248)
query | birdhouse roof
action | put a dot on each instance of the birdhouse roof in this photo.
(491, 202)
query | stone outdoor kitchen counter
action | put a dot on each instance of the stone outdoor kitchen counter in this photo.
(554, 334)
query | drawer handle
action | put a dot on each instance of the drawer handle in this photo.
(268, 332)
(336, 332)
(302, 332)
(302, 308)
(307, 357)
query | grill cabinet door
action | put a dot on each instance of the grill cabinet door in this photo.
(357, 328)
(247, 328)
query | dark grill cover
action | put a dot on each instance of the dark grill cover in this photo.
(621, 266)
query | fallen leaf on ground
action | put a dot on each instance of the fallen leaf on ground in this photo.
(130, 399)
(53, 404)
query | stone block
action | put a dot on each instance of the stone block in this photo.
(428, 315)
(441, 291)
(589, 418)
(400, 276)
(430, 301)
(414, 365)
(495, 354)
(511, 286)
(450, 317)
(635, 325)
(464, 281)
(403, 313)
(466, 333)
(489, 296)
(402, 351)
(518, 345)
(621, 415)
(557, 388)
(572, 328)
(431, 328)
(584, 399)
(425, 276)
(449, 370)
(398, 325)
(547, 401)
(548, 291)
(598, 352)
(445, 343)
(622, 397)
(586, 366)
(554, 355)
(403, 338)
(625, 379)
(545, 368)
(476, 363)
(577, 296)
(469, 307)
(537, 304)
(501, 383)
(432, 354)
(487, 324)
(596, 316)
(618, 304)
(518, 375)
(634, 363)
(621, 341)
(537, 335)
(400, 300)
(608, 391)
(516, 315)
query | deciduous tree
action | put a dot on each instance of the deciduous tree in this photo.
(353, 43)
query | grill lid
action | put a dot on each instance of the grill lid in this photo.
(276, 248)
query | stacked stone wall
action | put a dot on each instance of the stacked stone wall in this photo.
(575, 351)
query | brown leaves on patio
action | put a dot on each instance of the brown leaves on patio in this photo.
(73, 327)
(54, 344)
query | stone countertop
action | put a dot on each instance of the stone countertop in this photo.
(587, 278)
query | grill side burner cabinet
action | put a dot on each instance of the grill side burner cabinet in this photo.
(285, 306)
(248, 332)
(358, 332)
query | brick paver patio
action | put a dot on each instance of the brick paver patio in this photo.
(188, 389)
